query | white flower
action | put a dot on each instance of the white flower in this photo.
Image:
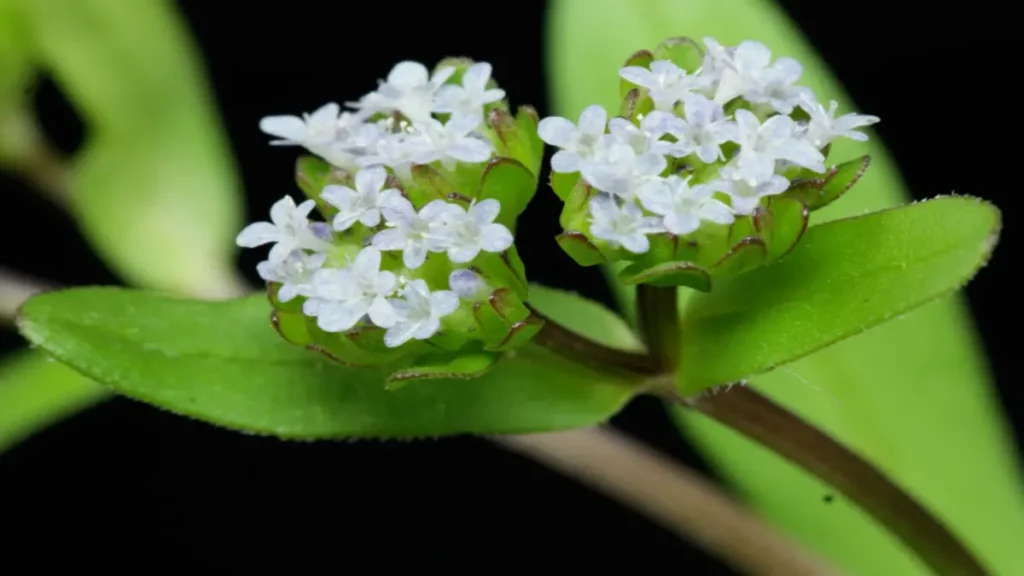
(761, 145)
(419, 313)
(647, 137)
(824, 127)
(340, 298)
(577, 144)
(682, 206)
(472, 96)
(409, 89)
(705, 128)
(618, 169)
(774, 86)
(466, 233)
(289, 229)
(321, 132)
(744, 195)
(294, 273)
(624, 226)
(413, 233)
(467, 284)
(452, 142)
(666, 82)
(363, 203)
(717, 59)
(387, 148)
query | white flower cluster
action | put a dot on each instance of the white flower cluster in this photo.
(361, 292)
(372, 134)
(624, 162)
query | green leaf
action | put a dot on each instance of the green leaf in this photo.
(845, 277)
(223, 363)
(153, 189)
(37, 391)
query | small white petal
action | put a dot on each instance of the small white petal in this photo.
(593, 119)
(565, 162)
(556, 131)
(390, 239)
(290, 128)
(495, 238)
(257, 234)
(371, 179)
(485, 211)
(443, 302)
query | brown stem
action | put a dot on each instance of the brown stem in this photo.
(658, 322)
(26, 151)
(15, 288)
(583, 350)
(671, 495)
(771, 425)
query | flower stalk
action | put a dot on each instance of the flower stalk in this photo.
(754, 415)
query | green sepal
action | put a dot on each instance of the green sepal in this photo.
(505, 269)
(512, 184)
(312, 174)
(519, 334)
(641, 58)
(427, 185)
(637, 103)
(443, 366)
(576, 206)
(518, 139)
(562, 183)
(667, 274)
(745, 255)
(781, 225)
(527, 121)
(683, 52)
(816, 193)
(579, 248)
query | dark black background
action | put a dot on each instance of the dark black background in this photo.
(125, 474)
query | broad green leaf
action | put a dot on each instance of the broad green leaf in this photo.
(845, 276)
(222, 362)
(36, 391)
(153, 189)
(914, 395)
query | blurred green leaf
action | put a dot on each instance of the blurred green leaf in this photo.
(153, 188)
(222, 362)
(914, 395)
(845, 277)
(36, 391)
